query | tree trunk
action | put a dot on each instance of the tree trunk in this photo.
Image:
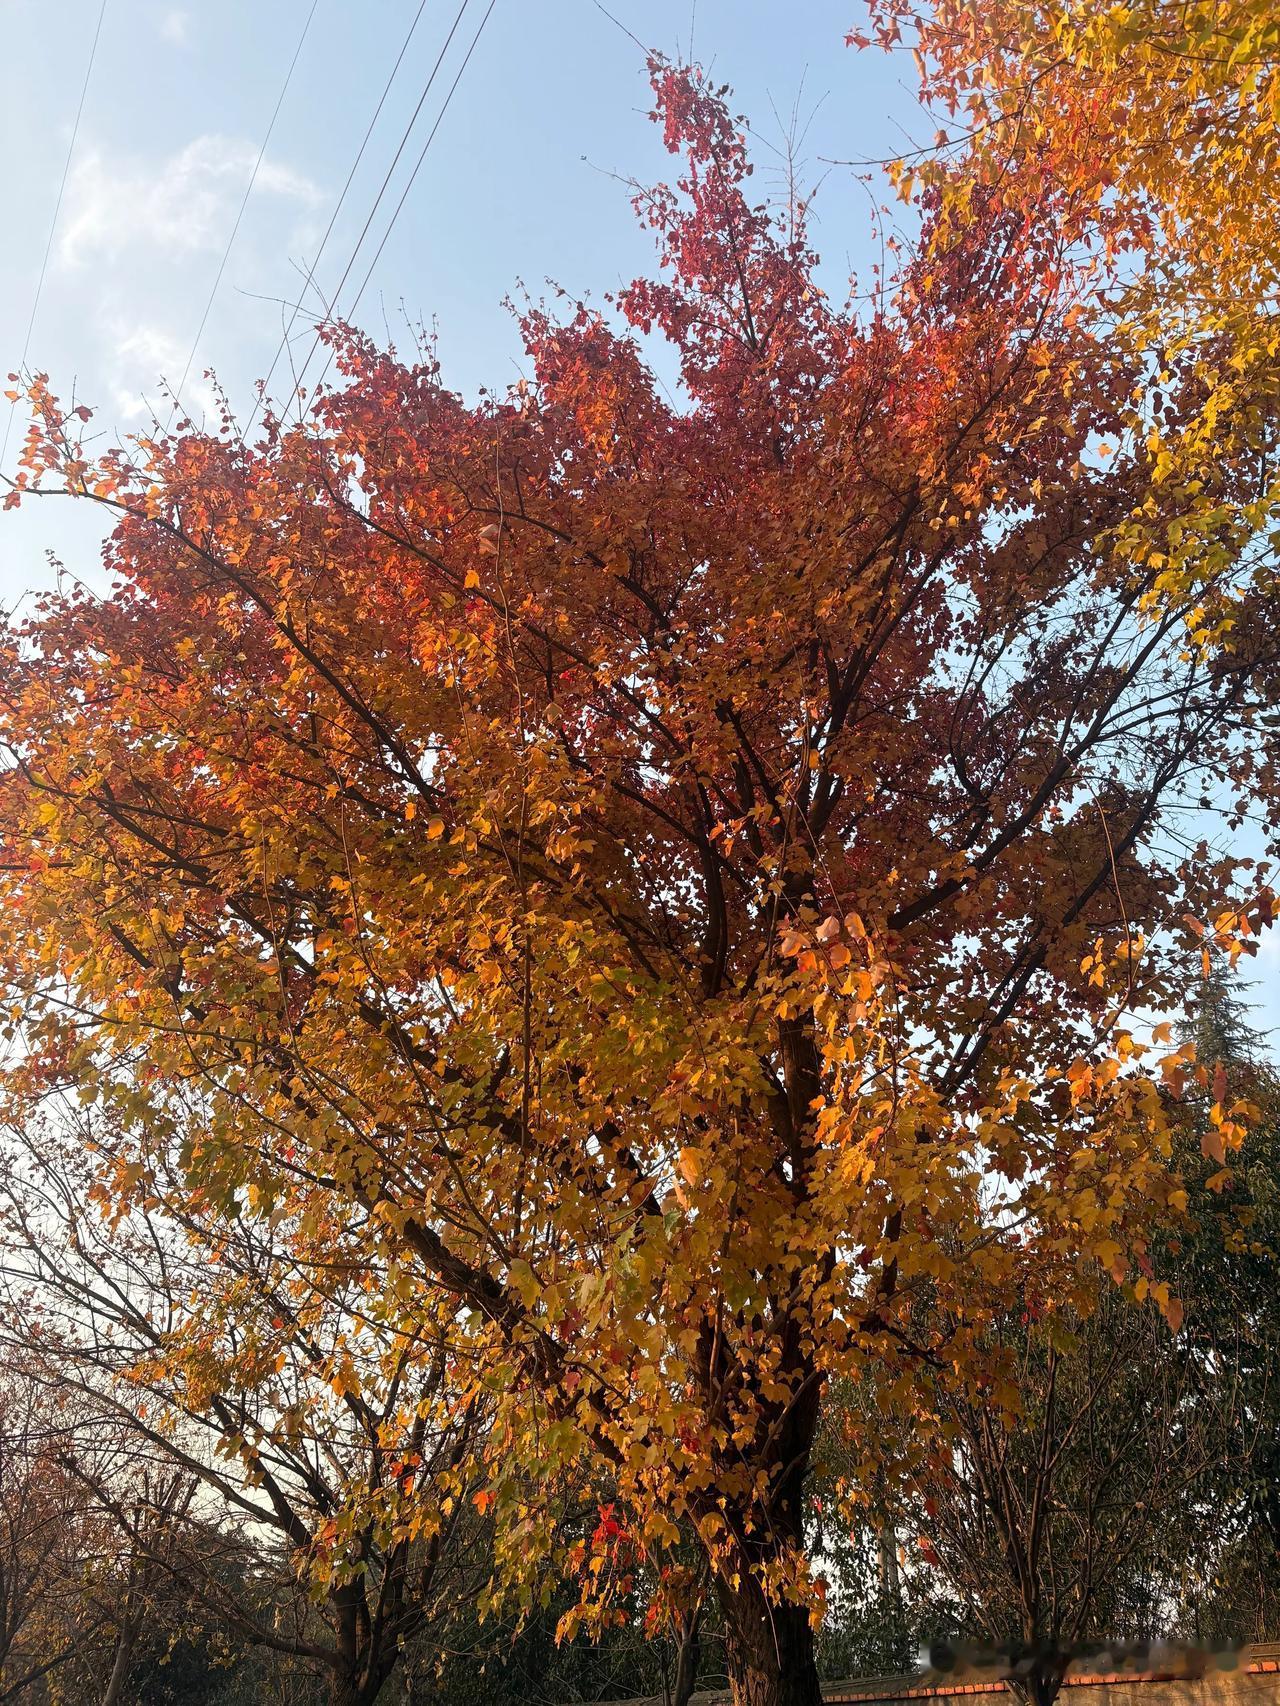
(359, 1687)
(688, 1655)
(770, 1650)
(363, 1658)
(120, 1669)
(1036, 1683)
(346, 1690)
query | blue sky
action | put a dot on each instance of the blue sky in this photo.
(519, 184)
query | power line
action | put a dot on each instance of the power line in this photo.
(475, 41)
(377, 201)
(297, 306)
(253, 178)
(53, 224)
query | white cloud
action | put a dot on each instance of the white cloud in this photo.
(141, 357)
(184, 204)
(175, 25)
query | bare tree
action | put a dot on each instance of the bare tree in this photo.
(48, 1614)
(298, 1460)
(145, 1564)
(1042, 1505)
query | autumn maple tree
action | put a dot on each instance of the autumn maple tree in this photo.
(1158, 121)
(681, 872)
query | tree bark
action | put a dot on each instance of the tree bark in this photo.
(1038, 1683)
(120, 1668)
(346, 1690)
(770, 1650)
(363, 1689)
(688, 1655)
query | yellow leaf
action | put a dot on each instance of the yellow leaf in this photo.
(689, 1166)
